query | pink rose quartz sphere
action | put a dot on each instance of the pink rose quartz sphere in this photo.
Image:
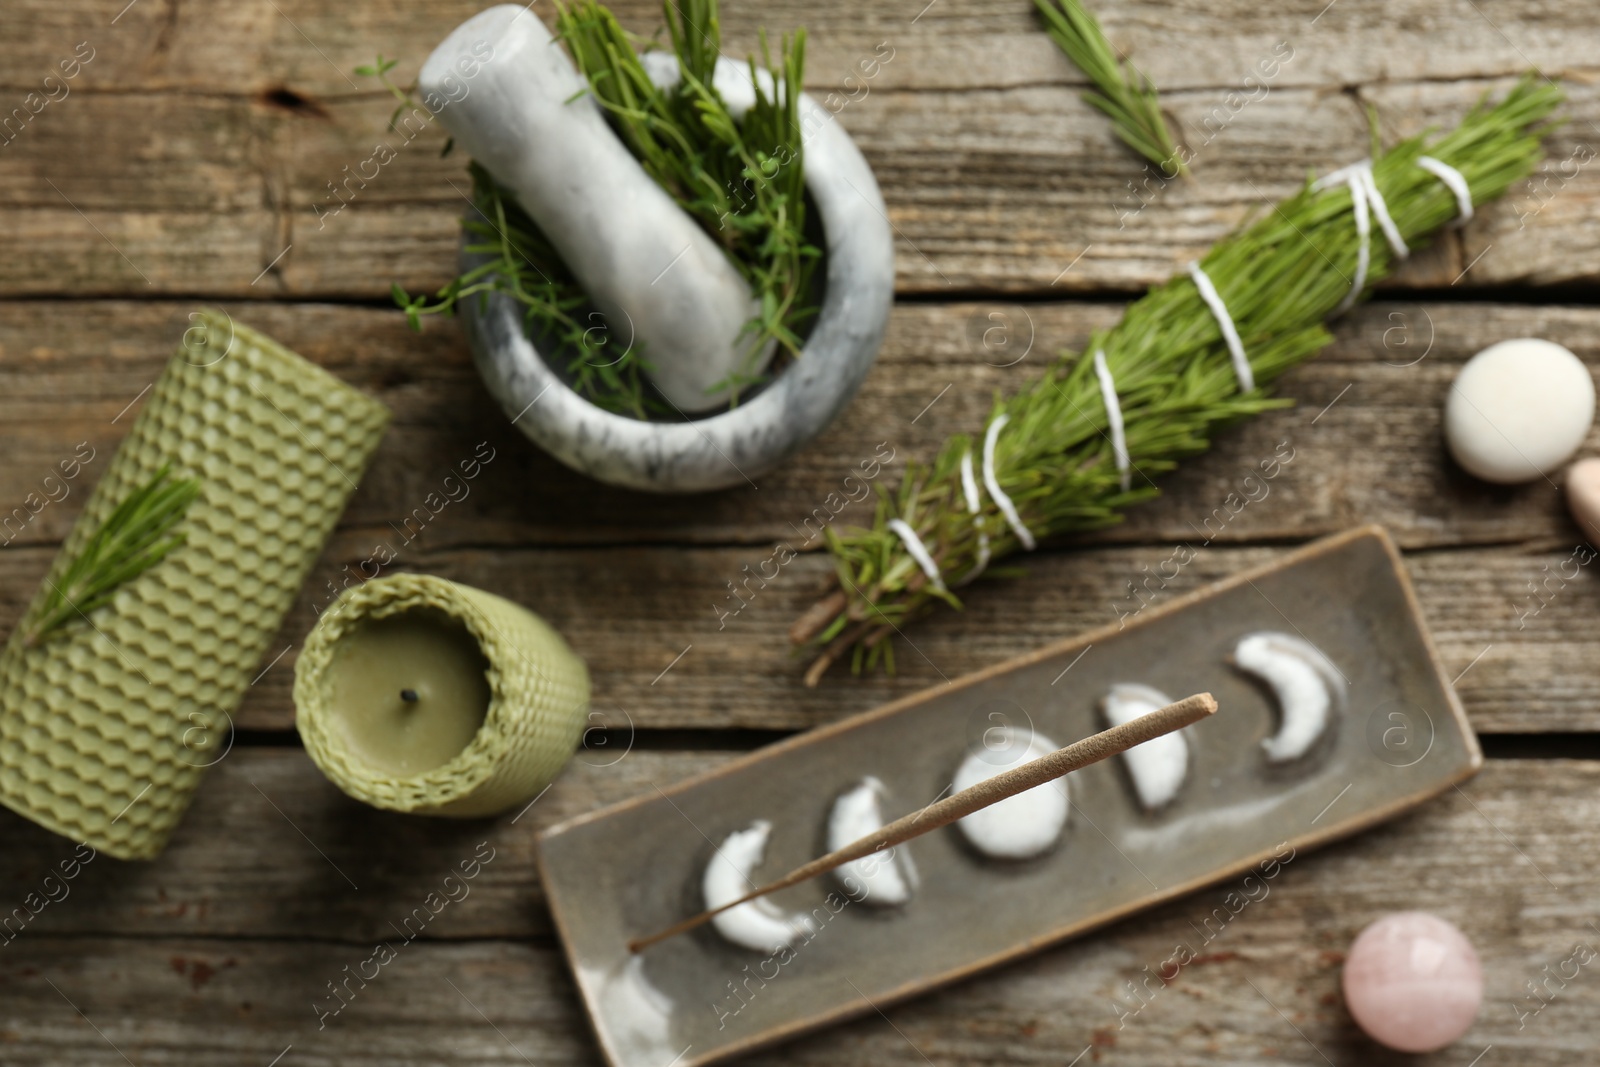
(1412, 981)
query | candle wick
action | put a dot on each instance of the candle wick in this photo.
(408, 695)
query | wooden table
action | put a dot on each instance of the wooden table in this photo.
(202, 155)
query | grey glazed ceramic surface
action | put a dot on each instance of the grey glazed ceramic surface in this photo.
(735, 446)
(526, 115)
(635, 868)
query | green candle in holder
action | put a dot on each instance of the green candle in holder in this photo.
(421, 695)
(410, 690)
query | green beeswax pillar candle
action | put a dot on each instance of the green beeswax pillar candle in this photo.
(108, 723)
(410, 690)
(421, 695)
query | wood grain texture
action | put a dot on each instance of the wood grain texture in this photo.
(192, 162)
(1505, 858)
(316, 865)
(1365, 428)
(608, 567)
(224, 140)
(648, 623)
(241, 49)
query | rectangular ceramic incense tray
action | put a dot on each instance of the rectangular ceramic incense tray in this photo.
(1397, 737)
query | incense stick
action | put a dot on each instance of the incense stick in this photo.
(1047, 768)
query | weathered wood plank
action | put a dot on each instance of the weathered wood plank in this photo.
(272, 849)
(985, 43)
(266, 850)
(632, 612)
(669, 645)
(196, 149)
(1000, 186)
(1505, 858)
(69, 371)
(1374, 455)
(649, 624)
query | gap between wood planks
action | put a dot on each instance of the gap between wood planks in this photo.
(1068, 80)
(1575, 294)
(1102, 539)
(1509, 746)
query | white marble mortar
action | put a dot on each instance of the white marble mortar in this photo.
(735, 446)
(647, 266)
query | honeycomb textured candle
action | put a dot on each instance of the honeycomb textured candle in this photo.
(538, 702)
(109, 724)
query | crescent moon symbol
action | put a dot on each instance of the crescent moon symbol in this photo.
(758, 925)
(886, 878)
(1306, 683)
(1159, 766)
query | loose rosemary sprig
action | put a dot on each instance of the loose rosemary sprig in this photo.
(134, 537)
(1125, 94)
(1280, 277)
(380, 69)
(742, 180)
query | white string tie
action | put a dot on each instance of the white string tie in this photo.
(1001, 501)
(969, 489)
(918, 550)
(1358, 207)
(1380, 209)
(1457, 183)
(1119, 440)
(1365, 201)
(1219, 310)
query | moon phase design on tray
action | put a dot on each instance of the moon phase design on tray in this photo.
(1159, 766)
(1018, 827)
(886, 878)
(1307, 685)
(759, 925)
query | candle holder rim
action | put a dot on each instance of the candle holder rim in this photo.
(457, 776)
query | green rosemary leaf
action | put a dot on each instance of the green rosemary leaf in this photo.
(134, 537)
(743, 181)
(1279, 277)
(1124, 93)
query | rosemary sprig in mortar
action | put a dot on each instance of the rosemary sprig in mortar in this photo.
(742, 180)
(134, 537)
(520, 262)
(1125, 94)
(1280, 277)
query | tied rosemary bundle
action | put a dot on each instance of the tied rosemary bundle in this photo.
(134, 537)
(1126, 96)
(1175, 385)
(742, 180)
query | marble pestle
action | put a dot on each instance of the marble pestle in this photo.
(659, 280)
